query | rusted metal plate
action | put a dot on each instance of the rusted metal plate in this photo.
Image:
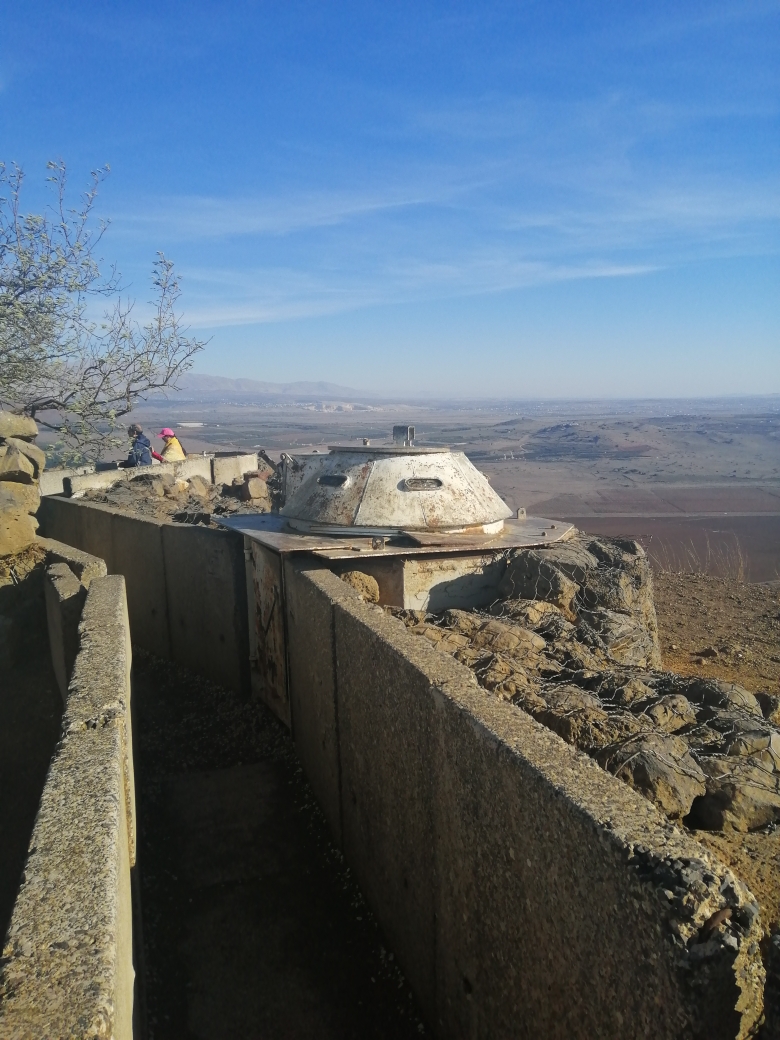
(269, 664)
(271, 530)
(526, 534)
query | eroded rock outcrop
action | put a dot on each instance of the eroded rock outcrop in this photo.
(573, 640)
(21, 463)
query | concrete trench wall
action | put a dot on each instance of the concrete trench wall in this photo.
(186, 585)
(525, 892)
(67, 968)
(217, 469)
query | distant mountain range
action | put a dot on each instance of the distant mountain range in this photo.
(200, 387)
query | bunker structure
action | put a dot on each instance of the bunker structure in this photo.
(524, 891)
(422, 521)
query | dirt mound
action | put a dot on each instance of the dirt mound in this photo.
(161, 496)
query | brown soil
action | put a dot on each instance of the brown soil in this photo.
(755, 858)
(192, 501)
(13, 569)
(741, 623)
(720, 629)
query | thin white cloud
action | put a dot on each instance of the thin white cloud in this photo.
(262, 296)
(512, 193)
(201, 217)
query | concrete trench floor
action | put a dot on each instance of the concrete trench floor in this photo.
(253, 926)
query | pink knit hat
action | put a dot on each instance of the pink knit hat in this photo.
(166, 432)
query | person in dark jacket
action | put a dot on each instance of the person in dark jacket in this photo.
(141, 451)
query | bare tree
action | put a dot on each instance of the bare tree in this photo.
(73, 373)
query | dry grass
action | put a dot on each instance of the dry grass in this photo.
(724, 558)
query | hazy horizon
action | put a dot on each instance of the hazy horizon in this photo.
(196, 381)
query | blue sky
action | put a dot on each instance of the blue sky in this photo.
(499, 199)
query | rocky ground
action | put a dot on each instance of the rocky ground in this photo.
(161, 496)
(657, 694)
(720, 628)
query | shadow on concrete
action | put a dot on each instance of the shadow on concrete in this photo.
(30, 715)
(253, 926)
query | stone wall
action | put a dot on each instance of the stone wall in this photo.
(186, 585)
(67, 968)
(525, 892)
(21, 463)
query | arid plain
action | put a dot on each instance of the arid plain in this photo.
(698, 482)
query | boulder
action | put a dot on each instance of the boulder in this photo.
(506, 678)
(616, 552)
(19, 498)
(555, 626)
(588, 728)
(199, 487)
(770, 706)
(35, 454)
(578, 717)
(528, 612)
(578, 726)
(625, 637)
(661, 768)
(177, 488)
(762, 747)
(671, 713)
(719, 694)
(615, 589)
(568, 698)
(494, 635)
(365, 585)
(575, 655)
(728, 724)
(572, 559)
(463, 620)
(627, 692)
(17, 531)
(17, 426)
(16, 466)
(743, 794)
(255, 489)
(530, 576)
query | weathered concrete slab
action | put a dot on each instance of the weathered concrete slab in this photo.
(186, 586)
(526, 892)
(67, 961)
(206, 598)
(84, 565)
(76, 483)
(65, 597)
(138, 554)
(268, 672)
(457, 581)
(385, 739)
(312, 685)
(227, 468)
(52, 481)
